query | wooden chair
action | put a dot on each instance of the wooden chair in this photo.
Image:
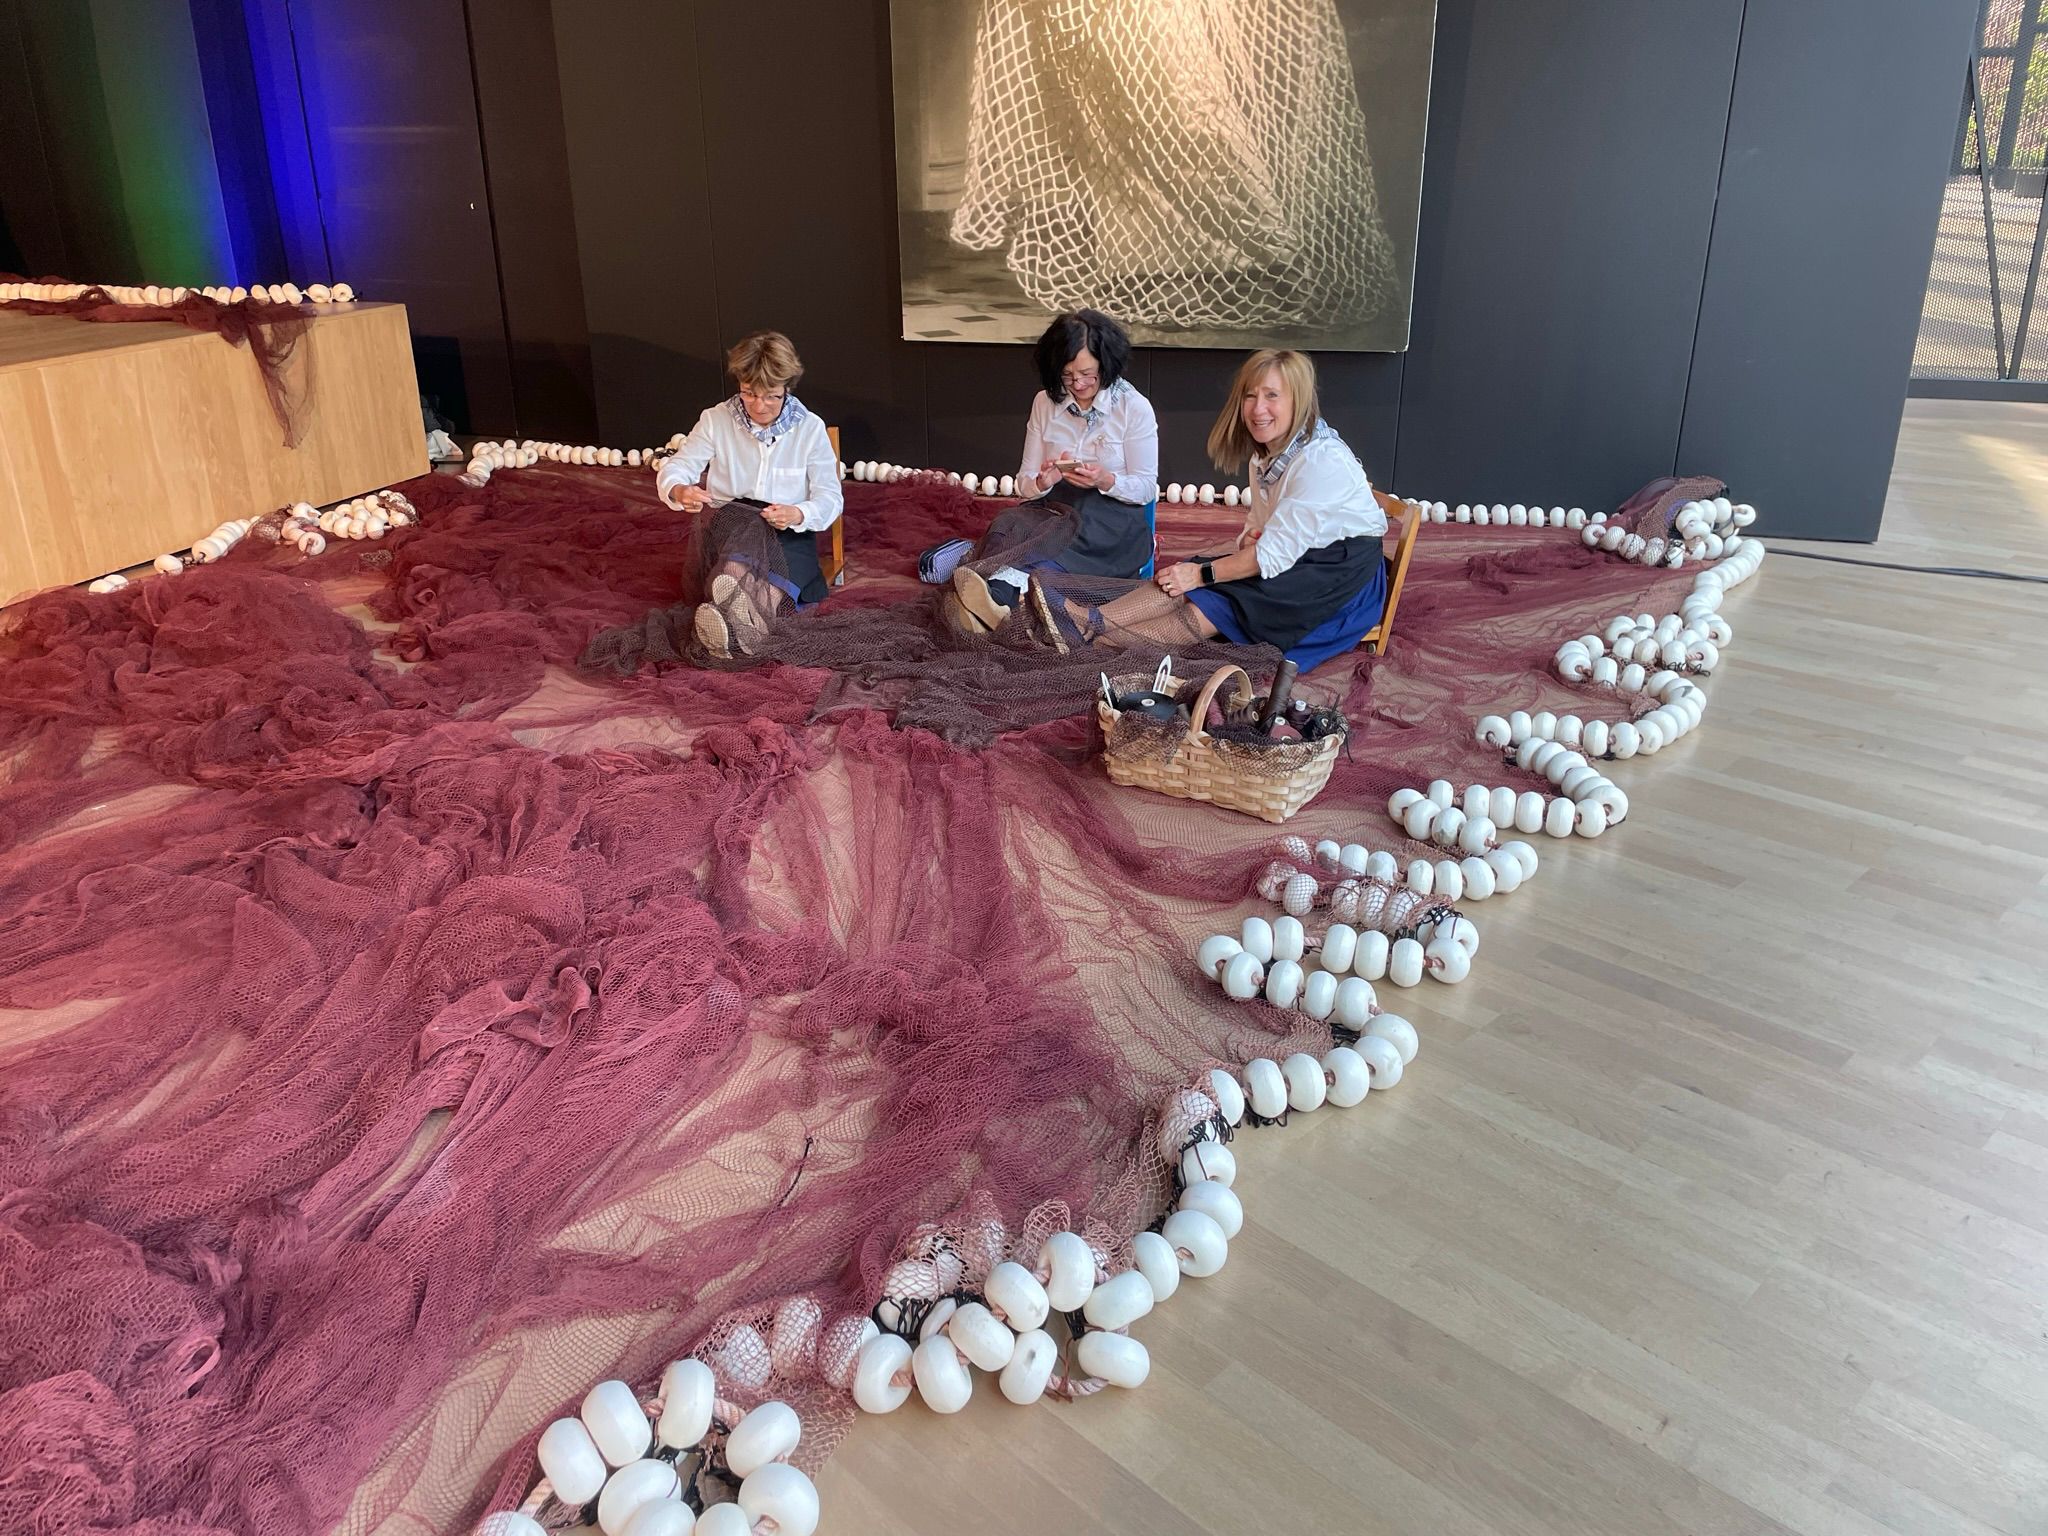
(1376, 638)
(834, 564)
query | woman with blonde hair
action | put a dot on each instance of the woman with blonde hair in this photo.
(1306, 574)
(759, 469)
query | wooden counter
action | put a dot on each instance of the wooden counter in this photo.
(120, 441)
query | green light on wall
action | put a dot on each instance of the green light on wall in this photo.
(122, 108)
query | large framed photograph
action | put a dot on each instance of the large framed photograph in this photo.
(1215, 173)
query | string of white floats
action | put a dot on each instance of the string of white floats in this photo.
(1207, 495)
(163, 295)
(935, 1325)
(1330, 975)
(304, 526)
(880, 473)
(203, 551)
(1681, 703)
(883, 473)
(1701, 530)
(1500, 516)
(488, 456)
(1298, 882)
(625, 1455)
(1706, 529)
(1000, 1329)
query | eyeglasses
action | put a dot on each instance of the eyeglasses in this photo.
(773, 397)
(1080, 378)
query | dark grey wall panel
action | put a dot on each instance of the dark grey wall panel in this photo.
(1568, 253)
(391, 110)
(644, 238)
(1837, 149)
(979, 398)
(1573, 151)
(526, 164)
(31, 233)
(801, 179)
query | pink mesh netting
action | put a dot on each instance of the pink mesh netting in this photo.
(271, 332)
(403, 1028)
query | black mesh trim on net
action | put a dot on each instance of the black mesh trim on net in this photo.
(1434, 910)
(1224, 1133)
(913, 1312)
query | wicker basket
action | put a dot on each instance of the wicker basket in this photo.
(1289, 774)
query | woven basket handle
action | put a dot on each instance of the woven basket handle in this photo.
(1210, 689)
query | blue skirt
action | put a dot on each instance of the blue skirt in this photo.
(1340, 632)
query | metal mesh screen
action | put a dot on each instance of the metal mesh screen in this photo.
(1979, 315)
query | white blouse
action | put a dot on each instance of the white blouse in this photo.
(1120, 433)
(1321, 497)
(796, 470)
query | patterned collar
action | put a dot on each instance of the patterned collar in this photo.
(1270, 470)
(792, 412)
(1103, 396)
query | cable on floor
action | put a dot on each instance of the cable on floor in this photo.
(1911, 570)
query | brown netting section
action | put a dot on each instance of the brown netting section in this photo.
(1652, 513)
(403, 1028)
(915, 654)
(1191, 163)
(271, 332)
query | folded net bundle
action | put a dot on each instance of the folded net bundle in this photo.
(403, 1028)
(271, 332)
(1182, 163)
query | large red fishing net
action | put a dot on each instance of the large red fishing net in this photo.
(403, 1027)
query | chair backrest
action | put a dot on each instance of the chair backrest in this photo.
(834, 563)
(1404, 550)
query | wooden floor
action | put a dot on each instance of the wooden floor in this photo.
(1718, 1199)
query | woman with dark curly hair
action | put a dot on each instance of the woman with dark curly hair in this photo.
(1090, 475)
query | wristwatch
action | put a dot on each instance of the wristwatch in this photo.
(1208, 574)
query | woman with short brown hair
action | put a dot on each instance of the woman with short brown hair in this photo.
(763, 467)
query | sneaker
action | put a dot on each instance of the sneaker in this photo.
(744, 625)
(713, 633)
(936, 565)
(954, 615)
(976, 598)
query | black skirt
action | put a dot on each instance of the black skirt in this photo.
(799, 557)
(1283, 610)
(1082, 531)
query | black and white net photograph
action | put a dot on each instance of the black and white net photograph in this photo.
(1215, 173)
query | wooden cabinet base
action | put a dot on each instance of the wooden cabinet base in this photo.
(121, 441)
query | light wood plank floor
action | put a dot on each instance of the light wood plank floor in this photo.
(1724, 1211)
